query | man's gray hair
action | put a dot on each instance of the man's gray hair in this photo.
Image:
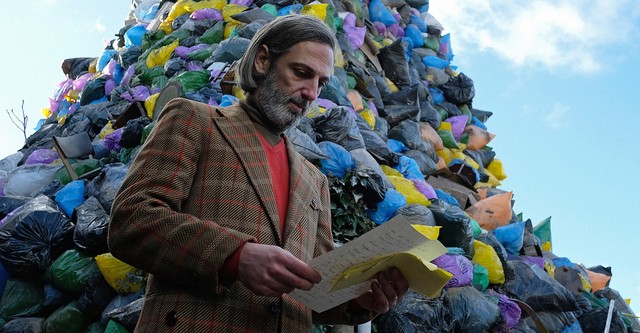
(279, 36)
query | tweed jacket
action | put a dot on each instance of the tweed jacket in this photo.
(198, 189)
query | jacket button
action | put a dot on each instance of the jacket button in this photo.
(171, 319)
(275, 307)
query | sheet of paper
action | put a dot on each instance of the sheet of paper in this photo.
(396, 235)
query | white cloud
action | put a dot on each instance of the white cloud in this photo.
(99, 26)
(558, 117)
(568, 35)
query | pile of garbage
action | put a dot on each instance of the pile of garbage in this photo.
(395, 131)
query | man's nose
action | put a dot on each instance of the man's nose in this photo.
(311, 91)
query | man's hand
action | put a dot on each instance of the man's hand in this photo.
(387, 291)
(268, 270)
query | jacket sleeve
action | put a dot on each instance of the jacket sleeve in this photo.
(148, 228)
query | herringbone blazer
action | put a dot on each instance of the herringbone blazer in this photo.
(197, 190)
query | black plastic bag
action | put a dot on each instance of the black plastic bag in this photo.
(425, 162)
(338, 126)
(482, 115)
(54, 298)
(397, 113)
(595, 320)
(305, 145)
(250, 29)
(73, 67)
(381, 128)
(553, 321)
(67, 319)
(538, 289)
(417, 214)
(253, 15)
(430, 115)
(127, 315)
(36, 234)
(335, 92)
(394, 63)
(451, 109)
(174, 66)
(413, 95)
(93, 90)
(179, 21)
(97, 294)
(21, 299)
(24, 325)
(407, 132)
(471, 311)
(482, 157)
(92, 226)
(10, 203)
(456, 226)
(230, 49)
(459, 89)
(376, 146)
(106, 185)
(129, 55)
(366, 84)
(118, 302)
(132, 132)
(416, 313)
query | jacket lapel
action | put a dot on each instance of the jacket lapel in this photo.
(240, 132)
(302, 192)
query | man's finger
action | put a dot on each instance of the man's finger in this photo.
(303, 270)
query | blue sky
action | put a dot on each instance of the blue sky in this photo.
(561, 79)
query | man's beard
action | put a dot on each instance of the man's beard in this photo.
(275, 104)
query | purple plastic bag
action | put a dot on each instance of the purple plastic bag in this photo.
(511, 312)
(380, 27)
(459, 266)
(80, 81)
(458, 124)
(194, 66)
(425, 188)
(140, 93)
(355, 35)
(207, 13)
(109, 86)
(245, 3)
(373, 108)
(128, 74)
(43, 156)
(111, 140)
(537, 261)
(325, 103)
(396, 30)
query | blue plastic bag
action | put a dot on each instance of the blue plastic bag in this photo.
(396, 146)
(291, 9)
(340, 161)
(408, 167)
(378, 12)
(70, 196)
(437, 95)
(476, 122)
(393, 200)
(511, 236)
(414, 33)
(104, 59)
(133, 36)
(228, 100)
(433, 61)
(446, 197)
(419, 23)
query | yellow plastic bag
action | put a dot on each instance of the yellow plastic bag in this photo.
(338, 58)
(431, 232)
(123, 278)
(106, 130)
(392, 86)
(369, 117)
(445, 126)
(150, 103)
(160, 56)
(230, 10)
(487, 257)
(446, 154)
(493, 181)
(389, 171)
(492, 212)
(428, 133)
(318, 10)
(550, 267)
(496, 169)
(215, 4)
(46, 112)
(409, 191)
(457, 153)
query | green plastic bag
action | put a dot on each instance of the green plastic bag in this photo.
(192, 81)
(113, 327)
(543, 231)
(72, 270)
(67, 319)
(147, 75)
(480, 276)
(152, 37)
(21, 299)
(159, 82)
(432, 43)
(213, 35)
(448, 140)
(81, 167)
(477, 230)
(96, 327)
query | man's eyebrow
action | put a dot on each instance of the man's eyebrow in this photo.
(308, 68)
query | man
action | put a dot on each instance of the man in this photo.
(224, 214)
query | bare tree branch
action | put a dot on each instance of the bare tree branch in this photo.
(21, 124)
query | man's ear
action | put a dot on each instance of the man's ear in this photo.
(262, 61)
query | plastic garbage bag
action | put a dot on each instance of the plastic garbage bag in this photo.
(459, 266)
(397, 113)
(305, 145)
(339, 162)
(425, 188)
(93, 90)
(375, 145)
(486, 256)
(113, 327)
(254, 15)
(542, 230)
(54, 298)
(417, 313)
(127, 315)
(492, 212)
(122, 277)
(511, 312)
(11, 162)
(511, 237)
(476, 138)
(456, 226)
(540, 291)
(407, 132)
(70, 196)
(339, 126)
(408, 167)
(132, 132)
(394, 63)
(10, 203)
(97, 294)
(20, 299)
(385, 209)
(97, 327)
(118, 302)
(459, 89)
(471, 311)
(42, 156)
(480, 277)
(446, 197)
(192, 81)
(23, 325)
(68, 319)
(230, 49)
(106, 185)
(491, 240)
(36, 234)
(380, 13)
(72, 270)
(366, 163)
(416, 214)
(27, 180)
